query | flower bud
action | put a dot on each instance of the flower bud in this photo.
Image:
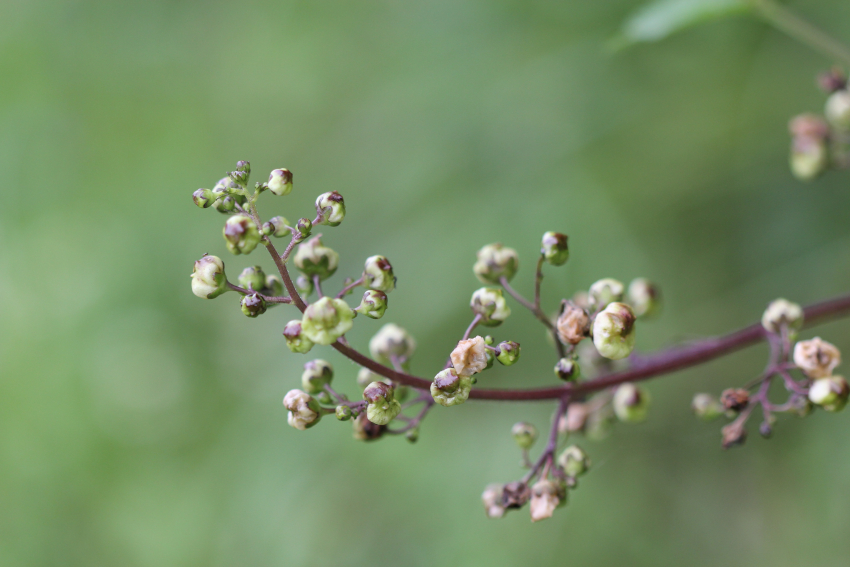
(734, 399)
(252, 278)
(838, 109)
(391, 341)
(227, 194)
(573, 323)
(614, 331)
(733, 434)
(366, 377)
(492, 499)
(494, 262)
(830, 393)
(303, 285)
(567, 369)
(546, 495)
(203, 198)
(277, 226)
(515, 495)
(524, 434)
(832, 80)
(605, 291)
(469, 356)
(816, 358)
(253, 305)
(280, 182)
(575, 419)
(766, 428)
(781, 313)
(317, 374)
(343, 413)
(508, 352)
(326, 320)
(491, 305)
(631, 403)
(274, 287)
(644, 297)
(226, 204)
(315, 259)
(295, 339)
(373, 304)
(241, 234)
(412, 435)
(555, 249)
(574, 461)
(378, 274)
(365, 430)
(208, 277)
(809, 158)
(383, 407)
(304, 410)
(303, 228)
(330, 208)
(706, 407)
(239, 177)
(449, 389)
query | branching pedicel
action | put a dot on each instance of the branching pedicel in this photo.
(591, 331)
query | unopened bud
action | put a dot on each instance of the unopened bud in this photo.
(449, 389)
(515, 495)
(567, 369)
(469, 356)
(252, 278)
(378, 274)
(644, 297)
(208, 277)
(366, 377)
(241, 234)
(253, 305)
(315, 259)
(492, 500)
(295, 339)
(765, 429)
(303, 285)
(575, 419)
(326, 320)
(508, 352)
(277, 226)
(546, 495)
(524, 434)
(574, 461)
(226, 204)
(614, 331)
(733, 434)
(203, 198)
(365, 430)
(494, 262)
(554, 248)
(330, 208)
(631, 403)
(605, 291)
(274, 286)
(304, 410)
(343, 413)
(832, 80)
(816, 357)
(734, 399)
(317, 374)
(782, 313)
(239, 177)
(383, 407)
(391, 342)
(412, 435)
(491, 305)
(303, 228)
(573, 323)
(706, 407)
(373, 304)
(280, 182)
(830, 393)
(838, 109)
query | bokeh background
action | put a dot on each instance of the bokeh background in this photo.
(142, 426)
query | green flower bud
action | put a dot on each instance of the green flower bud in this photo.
(782, 313)
(495, 261)
(605, 291)
(226, 204)
(391, 341)
(365, 430)
(243, 166)
(383, 407)
(838, 109)
(555, 249)
(631, 403)
(573, 323)
(317, 374)
(614, 331)
(574, 461)
(330, 208)
(378, 274)
(295, 339)
(734, 399)
(412, 435)
(304, 410)
(508, 352)
(546, 495)
(203, 198)
(373, 304)
(491, 305)
(816, 358)
(469, 356)
(644, 297)
(274, 287)
(303, 228)
(524, 434)
(280, 182)
(706, 407)
(277, 226)
(324, 398)
(366, 377)
(303, 285)
(208, 277)
(567, 369)
(809, 158)
(830, 393)
(326, 320)
(492, 499)
(253, 278)
(449, 389)
(315, 259)
(343, 413)
(241, 234)
(491, 359)
(253, 305)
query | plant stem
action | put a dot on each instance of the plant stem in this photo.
(535, 307)
(786, 21)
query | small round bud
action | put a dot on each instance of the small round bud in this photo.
(277, 226)
(295, 339)
(706, 407)
(491, 305)
(605, 291)
(208, 277)
(567, 369)
(412, 435)
(644, 297)
(614, 331)
(274, 286)
(324, 398)
(203, 198)
(830, 393)
(326, 320)
(449, 389)
(508, 352)
(253, 305)
(838, 109)
(391, 341)
(574, 461)
(253, 278)
(515, 495)
(226, 204)
(631, 403)
(492, 500)
(330, 208)
(575, 420)
(303, 285)
(280, 182)
(832, 80)
(304, 410)
(782, 313)
(494, 262)
(241, 234)
(524, 434)
(733, 434)
(366, 377)
(239, 177)
(546, 495)
(555, 249)
(365, 430)
(383, 407)
(491, 359)
(303, 228)
(469, 356)
(373, 304)
(573, 323)
(343, 413)
(816, 358)
(765, 430)
(734, 399)
(378, 274)
(317, 374)
(809, 158)
(315, 259)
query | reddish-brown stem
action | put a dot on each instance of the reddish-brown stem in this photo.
(349, 287)
(535, 307)
(266, 298)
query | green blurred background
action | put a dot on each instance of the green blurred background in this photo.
(142, 426)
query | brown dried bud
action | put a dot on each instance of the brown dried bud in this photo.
(515, 494)
(734, 434)
(735, 399)
(575, 420)
(832, 80)
(365, 430)
(573, 323)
